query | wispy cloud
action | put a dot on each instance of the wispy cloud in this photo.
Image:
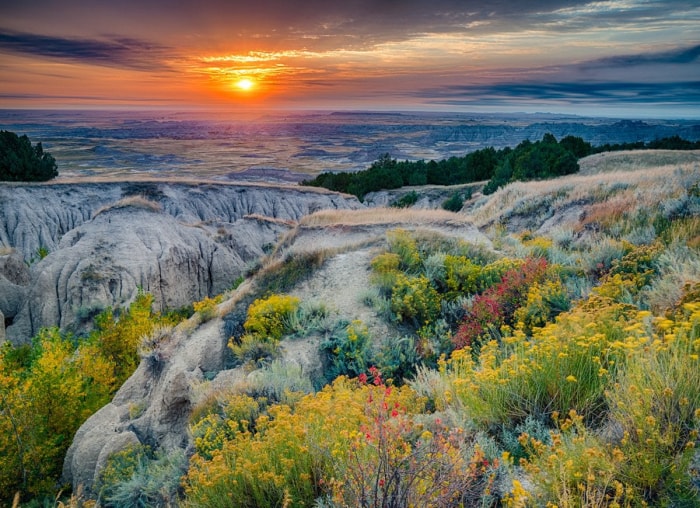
(114, 52)
(612, 82)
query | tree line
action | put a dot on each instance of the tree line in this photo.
(529, 160)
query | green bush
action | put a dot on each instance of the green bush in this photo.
(136, 478)
(22, 162)
(406, 200)
(347, 351)
(254, 349)
(454, 203)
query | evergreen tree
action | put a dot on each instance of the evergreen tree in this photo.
(22, 162)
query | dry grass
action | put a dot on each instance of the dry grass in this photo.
(131, 201)
(635, 160)
(377, 216)
(6, 251)
(643, 187)
(272, 220)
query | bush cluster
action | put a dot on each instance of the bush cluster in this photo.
(48, 389)
(22, 162)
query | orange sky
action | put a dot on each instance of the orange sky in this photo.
(541, 55)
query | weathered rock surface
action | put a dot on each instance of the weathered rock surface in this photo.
(429, 196)
(14, 279)
(38, 216)
(153, 406)
(182, 243)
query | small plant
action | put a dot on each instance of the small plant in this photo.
(254, 350)
(136, 477)
(454, 203)
(207, 308)
(347, 351)
(405, 201)
(269, 317)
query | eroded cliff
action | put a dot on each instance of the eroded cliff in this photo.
(91, 246)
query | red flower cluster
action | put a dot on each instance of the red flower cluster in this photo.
(496, 306)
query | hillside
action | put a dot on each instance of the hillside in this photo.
(576, 300)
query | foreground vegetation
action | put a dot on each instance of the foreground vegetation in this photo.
(50, 387)
(560, 369)
(529, 160)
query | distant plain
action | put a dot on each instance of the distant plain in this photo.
(288, 147)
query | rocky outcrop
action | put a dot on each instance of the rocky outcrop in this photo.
(14, 281)
(38, 216)
(153, 406)
(180, 242)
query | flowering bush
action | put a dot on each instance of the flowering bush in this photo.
(207, 308)
(268, 317)
(414, 300)
(347, 351)
(394, 462)
(497, 305)
(292, 456)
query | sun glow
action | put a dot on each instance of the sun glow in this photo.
(245, 84)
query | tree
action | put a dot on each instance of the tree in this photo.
(22, 162)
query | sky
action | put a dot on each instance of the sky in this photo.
(624, 57)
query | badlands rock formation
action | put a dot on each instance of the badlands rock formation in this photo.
(179, 241)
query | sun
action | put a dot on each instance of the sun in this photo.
(245, 84)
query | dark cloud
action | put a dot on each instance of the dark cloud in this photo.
(571, 93)
(318, 23)
(564, 83)
(676, 56)
(115, 52)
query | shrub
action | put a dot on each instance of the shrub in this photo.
(307, 318)
(543, 303)
(22, 162)
(497, 305)
(657, 402)
(404, 245)
(136, 478)
(119, 335)
(279, 381)
(347, 351)
(293, 456)
(233, 413)
(408, 199)
(254, 350)
(269, 317)
(454, 203)
(398, 358)
(389, 465)
(207, 308)
(414, 300)
(574, 468)
(565, 365)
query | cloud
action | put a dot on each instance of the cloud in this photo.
(115, 52)
(674, 56)
(602, 81)
(571, 93)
